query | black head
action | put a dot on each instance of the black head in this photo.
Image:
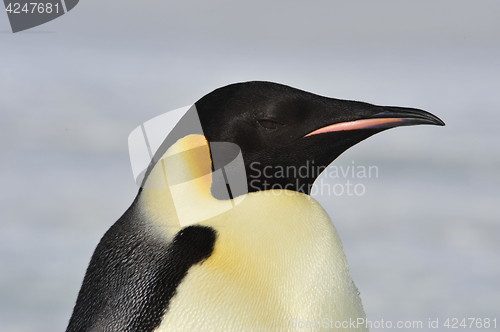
(286, 136)
(280, 128)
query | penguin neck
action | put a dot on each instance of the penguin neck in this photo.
(271, 245)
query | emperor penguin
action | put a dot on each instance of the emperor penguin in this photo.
(200, 251)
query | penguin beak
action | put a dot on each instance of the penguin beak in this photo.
(390, 117)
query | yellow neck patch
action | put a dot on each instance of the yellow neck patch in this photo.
(177, 191)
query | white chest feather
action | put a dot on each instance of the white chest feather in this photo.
(277, 262)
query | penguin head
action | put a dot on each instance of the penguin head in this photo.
(280, 129)
(285, 136)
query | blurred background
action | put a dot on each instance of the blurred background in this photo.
(422, 242)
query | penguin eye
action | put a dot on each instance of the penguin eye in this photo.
(270, 124)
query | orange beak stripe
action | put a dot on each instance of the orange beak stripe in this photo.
(353, 125)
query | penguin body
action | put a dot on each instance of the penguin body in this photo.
(183, 258)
